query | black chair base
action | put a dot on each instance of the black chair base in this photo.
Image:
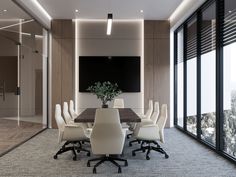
(128, 136)
(74, 147)
(134, 141)
(149, 147)
(107, 158)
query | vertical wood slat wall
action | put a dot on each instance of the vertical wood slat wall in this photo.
(63, 36)
(157, 63)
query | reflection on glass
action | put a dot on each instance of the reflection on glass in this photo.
(23, 58)
(208, 75)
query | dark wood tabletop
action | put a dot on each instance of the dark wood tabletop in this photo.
(126, 115)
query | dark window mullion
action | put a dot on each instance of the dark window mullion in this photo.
(219, 74)
(175, 78)
(185, 75)
(199, 23)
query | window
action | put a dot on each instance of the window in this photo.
(208, 74)
(192, 76)
(229, 55)
(180, 79)
(205, 76)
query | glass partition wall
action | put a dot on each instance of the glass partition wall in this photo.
(205, 80)
(23, 79)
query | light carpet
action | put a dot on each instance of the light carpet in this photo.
(187, 159)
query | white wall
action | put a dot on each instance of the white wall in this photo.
(126, 40)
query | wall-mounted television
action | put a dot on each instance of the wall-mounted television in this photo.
(123, 70)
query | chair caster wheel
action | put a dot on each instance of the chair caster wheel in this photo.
(88, 164)
(74, 158)
(119, 170)
(143, 150)
(94, 170)
(78, 151)
(55, 156)
(166, 156)
(88, 154)
(147, 157)
(133, 154)
(139, 142)
(126, 163)
(130, 144)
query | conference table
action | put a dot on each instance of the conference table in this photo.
(126, 115)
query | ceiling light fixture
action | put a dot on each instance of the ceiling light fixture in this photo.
(141, 11)
(230, 11)
(5, 10)
(76, 10)
(109, 24)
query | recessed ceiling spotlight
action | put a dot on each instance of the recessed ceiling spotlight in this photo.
(5, 10)
(230, 11)
(76, 10)
(141, 11)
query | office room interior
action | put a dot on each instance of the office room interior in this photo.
(118, 88)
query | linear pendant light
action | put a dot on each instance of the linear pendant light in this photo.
(109, 24)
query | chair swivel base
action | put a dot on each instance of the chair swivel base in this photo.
(148, 147)
(72, 148)
(134, 141)
(107, 158)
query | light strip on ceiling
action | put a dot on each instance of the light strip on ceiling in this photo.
(40, 7)
(109, 24)
(179, 9)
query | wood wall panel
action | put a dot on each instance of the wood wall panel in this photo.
(157, 63)
(67, 57)
(62, 64)
(148, 75)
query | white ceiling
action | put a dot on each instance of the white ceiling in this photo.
(13, 11)
(121, 9)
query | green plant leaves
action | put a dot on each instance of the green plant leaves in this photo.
(105, 91)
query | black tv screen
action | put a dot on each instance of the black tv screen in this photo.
(125, 71)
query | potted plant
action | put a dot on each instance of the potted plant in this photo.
(105, 91)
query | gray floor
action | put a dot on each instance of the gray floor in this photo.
(187, 159)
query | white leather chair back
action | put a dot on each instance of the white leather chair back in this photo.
(66, 114)
(107, 136)
(119, 103)
(150, 110)
(60, 121)
(162, 121)
(155, 113)
(72, 110)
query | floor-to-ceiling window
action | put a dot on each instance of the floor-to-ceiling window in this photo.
(180, 78)
(208, 74)
(23, 77)
(206, 91)
(191, 90)
(229, 55)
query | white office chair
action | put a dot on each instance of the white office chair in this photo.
(107, 137)
(151, 133)
(69, 133)
(72, 110)
(118, 103)
(66, 114)
(75, 115)
(149, 111)
(152, 120)
(143, 117)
